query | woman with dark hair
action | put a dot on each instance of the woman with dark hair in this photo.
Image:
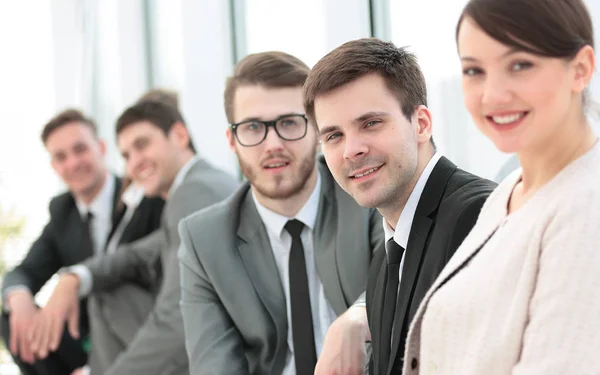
(522, 293)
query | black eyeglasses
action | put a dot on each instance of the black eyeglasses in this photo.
(288, 127)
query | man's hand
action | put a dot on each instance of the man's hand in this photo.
(344, 350)
(63, 306)
(81, 371)
(22, 314)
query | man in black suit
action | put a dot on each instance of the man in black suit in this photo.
(368, 100)
(82, 223)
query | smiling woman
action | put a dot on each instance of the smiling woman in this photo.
(520, 292)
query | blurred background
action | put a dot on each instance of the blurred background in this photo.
(100, 55)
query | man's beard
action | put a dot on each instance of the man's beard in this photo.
(278, 192)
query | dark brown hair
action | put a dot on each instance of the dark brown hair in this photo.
(159, 114)
(169, 97)
(68, 116)
(269, 69)
(551, 28)
(352, 60)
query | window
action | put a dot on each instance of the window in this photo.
(412, 25)
(295, 27)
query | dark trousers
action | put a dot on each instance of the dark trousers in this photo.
(69, 356)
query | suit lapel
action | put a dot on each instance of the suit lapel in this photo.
(325, 243)
(118, 210)
(415, 249)
(257, 255)
(412, 260)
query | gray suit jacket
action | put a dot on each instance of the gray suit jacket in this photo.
(158, 346)
(233, 304)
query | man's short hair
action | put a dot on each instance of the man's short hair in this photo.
(167, 96)
(268, 69)
(352, 60)
(68, 116)
(159, 114)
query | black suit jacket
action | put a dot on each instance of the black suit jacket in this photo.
(446, 212)
(61, 243)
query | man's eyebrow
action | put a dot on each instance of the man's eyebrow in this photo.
(328, 129)
(360, 119)
(369, 115)
(255, 118)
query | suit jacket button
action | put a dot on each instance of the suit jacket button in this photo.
(414, 363)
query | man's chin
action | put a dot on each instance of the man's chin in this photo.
(365, 200)
(277, 192)
(151, 193)
(80, 188)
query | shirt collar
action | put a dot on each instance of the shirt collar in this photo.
(102, 204)
(183, 171)
(275, 222)
(133, 195)
(402, 230)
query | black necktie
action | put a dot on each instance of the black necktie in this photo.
(305, 355)
(394, 256)
(88, 242)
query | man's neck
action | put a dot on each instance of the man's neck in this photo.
(392, 210)
(89, 196)
(185, 157)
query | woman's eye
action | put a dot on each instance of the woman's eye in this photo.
(471, 71)
(521, 65)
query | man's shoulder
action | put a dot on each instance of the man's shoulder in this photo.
(464, 187)
(214, 214)
(206, 178)
(222, 216)
(61, 204)
(202, 169)
(463, 199)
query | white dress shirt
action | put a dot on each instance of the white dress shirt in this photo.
(86, 279)
(402, 230)
(281, 243)
(132, 197)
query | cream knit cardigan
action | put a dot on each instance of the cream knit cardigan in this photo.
(529, 301)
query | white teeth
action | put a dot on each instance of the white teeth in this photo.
(366, 173)
(503, 120)
(276, 165)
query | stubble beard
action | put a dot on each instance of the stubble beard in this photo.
(274, 189)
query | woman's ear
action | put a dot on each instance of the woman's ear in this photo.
(584, 64)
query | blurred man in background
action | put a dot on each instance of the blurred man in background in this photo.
(156, 145)
(82, 222)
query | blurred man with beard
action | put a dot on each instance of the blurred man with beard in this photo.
(265, 272)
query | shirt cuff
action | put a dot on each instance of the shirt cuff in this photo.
(85, 278)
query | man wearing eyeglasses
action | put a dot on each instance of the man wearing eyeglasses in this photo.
(265, 272)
